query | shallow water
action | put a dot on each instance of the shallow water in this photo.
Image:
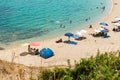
(27, 19)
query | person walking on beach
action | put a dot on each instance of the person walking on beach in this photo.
(90, 26)
(29, 49)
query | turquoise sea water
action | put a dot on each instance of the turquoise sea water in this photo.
(26, 19)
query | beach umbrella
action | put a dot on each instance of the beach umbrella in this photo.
(101, 29)
(83, 31)
(117, 24)
(79, 33)
(35, 44)
(103, 24)
(117, 18)
(69, 35)
(97, 30)
(46, 53)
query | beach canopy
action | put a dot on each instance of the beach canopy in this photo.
(104, 24)
(46, 53)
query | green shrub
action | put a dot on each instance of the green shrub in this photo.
(102, 67)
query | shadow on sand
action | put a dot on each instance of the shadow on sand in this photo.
(70, 42)
(1, 48)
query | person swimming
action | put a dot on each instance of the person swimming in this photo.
(103, 8)
(70, 21)
(60, 25)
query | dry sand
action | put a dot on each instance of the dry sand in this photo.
(63, 51)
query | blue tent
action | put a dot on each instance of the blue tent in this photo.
(46, 53)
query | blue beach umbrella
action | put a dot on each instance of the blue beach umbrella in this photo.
(69, 35)
(104, 24)
(46, 53)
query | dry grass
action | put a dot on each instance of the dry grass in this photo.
(12, 71)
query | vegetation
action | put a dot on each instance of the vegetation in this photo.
(102, 67)
(12, 71)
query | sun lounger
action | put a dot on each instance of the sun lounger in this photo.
(80, 38)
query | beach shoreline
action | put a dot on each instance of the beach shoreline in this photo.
(70, 27)
(63, 52)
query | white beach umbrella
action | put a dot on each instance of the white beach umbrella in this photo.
(117, 18)
(83, 31)
(79, 33)
(117, 24)
(101, 29)
(97, 30)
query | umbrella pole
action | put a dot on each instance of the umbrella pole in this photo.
(69, 38)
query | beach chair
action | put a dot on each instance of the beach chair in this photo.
(80, 38)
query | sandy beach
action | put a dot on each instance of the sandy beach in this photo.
(63, 51)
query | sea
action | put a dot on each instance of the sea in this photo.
(23, 20)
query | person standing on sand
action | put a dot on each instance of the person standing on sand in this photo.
(29, 49)
(90, 26)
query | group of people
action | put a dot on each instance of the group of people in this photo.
(116, 29)
(33, 51)
(100, 34)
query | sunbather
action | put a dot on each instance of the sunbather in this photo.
(36, 52)
(116, 29)
(31, 50)
(59, 41)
